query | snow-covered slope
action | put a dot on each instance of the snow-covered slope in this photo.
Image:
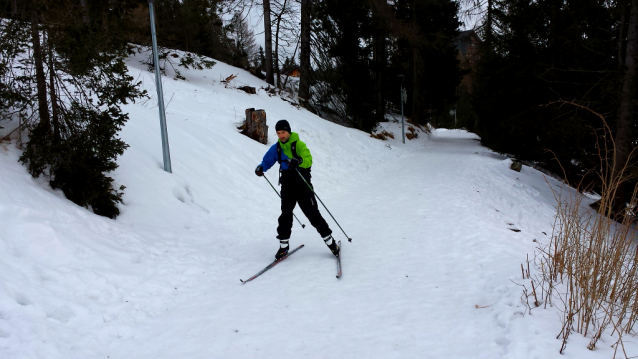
(428, 275)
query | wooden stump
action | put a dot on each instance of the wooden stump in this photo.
(248, 89)
(255, 126)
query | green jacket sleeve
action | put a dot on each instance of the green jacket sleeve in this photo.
(304, 153)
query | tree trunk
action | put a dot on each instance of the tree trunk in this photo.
(14, 8)
(105, 18)
(304, 58)
(416, 103)
(621, 41)
(379, 55)
(415, 113)
(489, 31)
(55, 113)
(276, 60)
(625, 123)
(85, 11)
(552, 33)
(268, 46)
(41, 82)
(255, 126)
(380, 64)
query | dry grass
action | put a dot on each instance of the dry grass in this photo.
(383, 135)
(590, 267)
(412, 134)
(425, 129)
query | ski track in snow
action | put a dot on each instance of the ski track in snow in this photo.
(431, 271)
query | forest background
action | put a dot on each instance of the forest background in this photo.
(550, 83)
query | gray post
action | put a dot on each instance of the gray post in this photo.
(402, 119)
(160, 93)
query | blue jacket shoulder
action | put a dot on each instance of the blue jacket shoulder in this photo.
(270, 158)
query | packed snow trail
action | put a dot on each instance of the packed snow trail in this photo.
(432, 270)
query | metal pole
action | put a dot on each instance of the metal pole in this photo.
(402, 119)
(324, 206)
(160, 93)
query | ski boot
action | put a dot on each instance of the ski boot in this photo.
(283, 249)
(332, 245)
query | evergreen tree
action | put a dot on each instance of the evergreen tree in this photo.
(346, 24)
(289, 65)
(73, 102)
(371, 42)
(13, 44)
(426, 54)
(189, 25)
(548, 52)
(262, 59)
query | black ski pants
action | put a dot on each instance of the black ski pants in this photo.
(294, 190)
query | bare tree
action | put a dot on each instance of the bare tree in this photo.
(38, 60)
(304, 59)
(286, 33)
(481, 13)
(279, 17)
(268, 46)
(325, 101)
(244, 37)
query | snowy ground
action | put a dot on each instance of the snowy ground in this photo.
(430, 272)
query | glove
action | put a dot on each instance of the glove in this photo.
(294, 163)
(259, 171)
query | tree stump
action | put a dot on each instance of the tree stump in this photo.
(248, 89)
(255, 126)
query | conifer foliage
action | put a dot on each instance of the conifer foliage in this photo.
(344, 24)
(541, 56)
(71, 83)
(368, 43)
(189, 25)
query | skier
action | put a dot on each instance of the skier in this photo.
(294, 159)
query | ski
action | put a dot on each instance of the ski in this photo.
(339, 260)
(277, 261)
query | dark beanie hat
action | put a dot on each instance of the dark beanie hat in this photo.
(283, 125)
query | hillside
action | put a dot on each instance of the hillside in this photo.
(431, 271)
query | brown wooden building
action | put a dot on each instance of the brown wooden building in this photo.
(294, 72)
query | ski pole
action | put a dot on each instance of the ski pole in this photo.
(302, 225)
(324, 206)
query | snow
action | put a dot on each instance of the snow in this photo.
(433, 270)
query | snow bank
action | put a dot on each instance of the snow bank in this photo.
(428, 275)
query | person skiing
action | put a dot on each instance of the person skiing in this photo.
(295, 161)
